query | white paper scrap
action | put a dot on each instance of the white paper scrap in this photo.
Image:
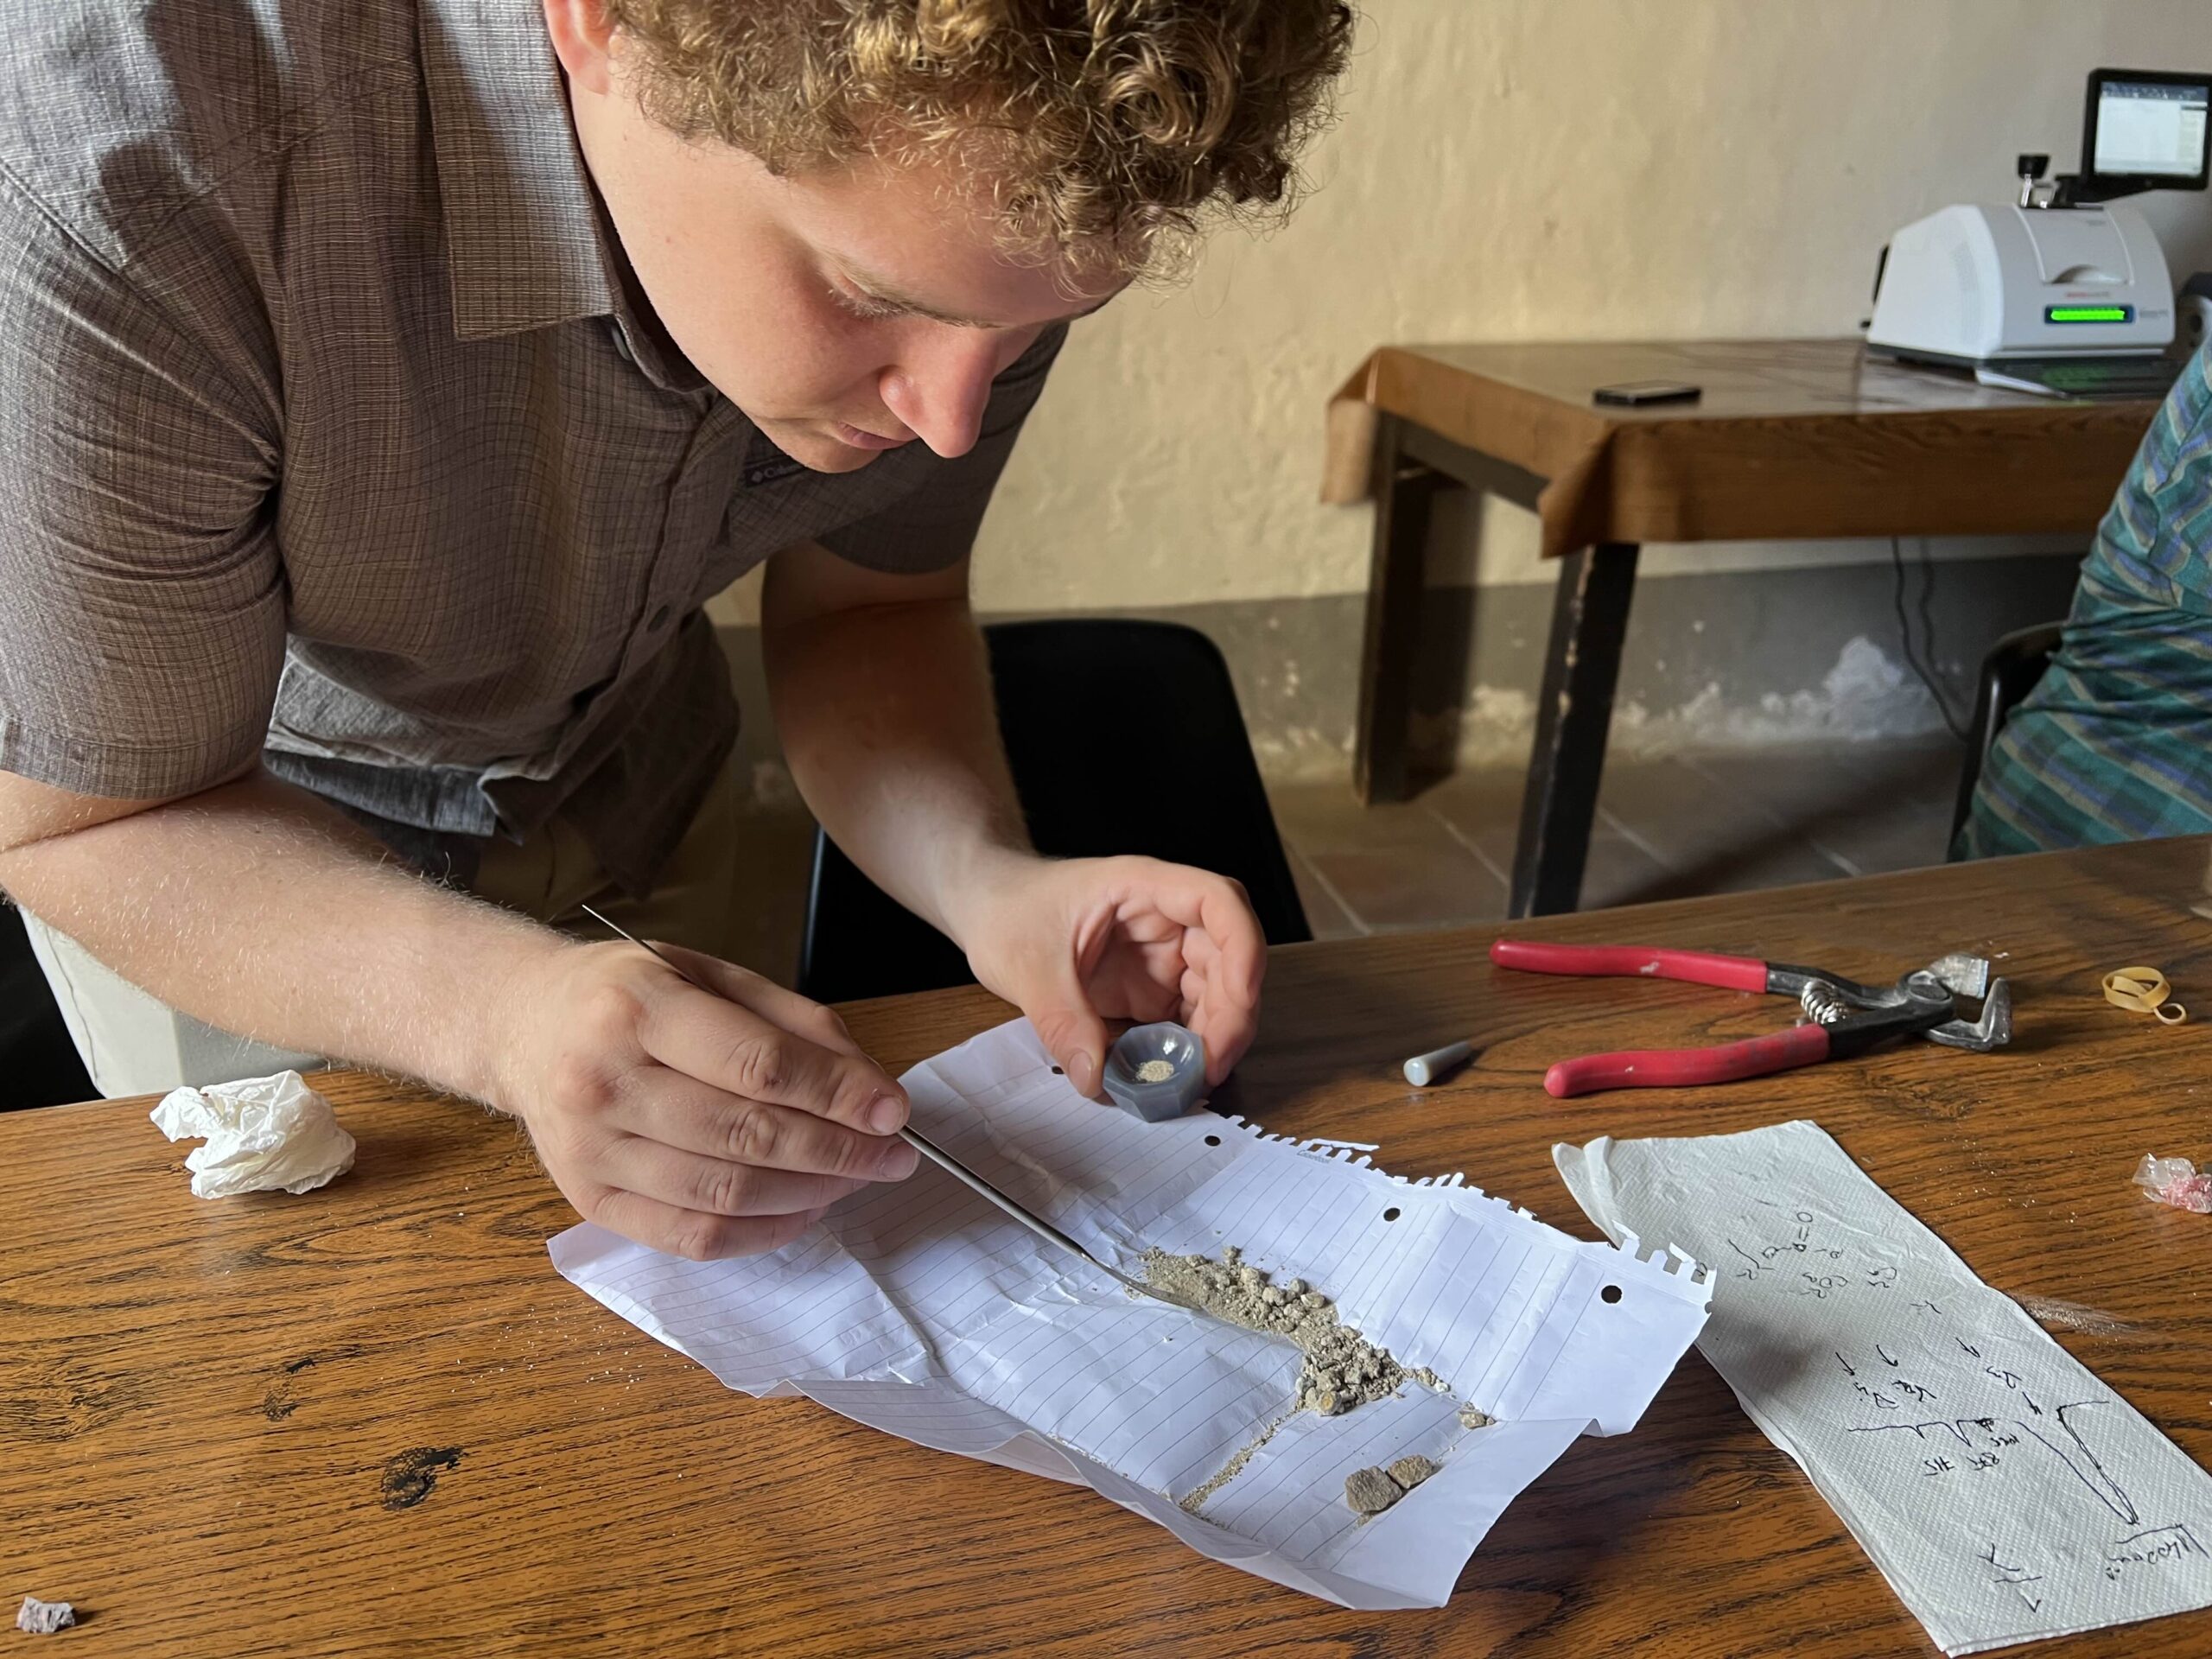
(2005, 1492)
(922, 1311)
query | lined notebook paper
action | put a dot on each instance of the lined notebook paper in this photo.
(920, 1310)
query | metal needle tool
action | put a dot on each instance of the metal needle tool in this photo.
(943, 1159)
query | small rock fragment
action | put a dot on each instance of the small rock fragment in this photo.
(1370, 1492)
(1475, 1417)
(44, 1617)
(1410, 1472)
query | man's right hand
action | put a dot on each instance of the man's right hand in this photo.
(702, 1123)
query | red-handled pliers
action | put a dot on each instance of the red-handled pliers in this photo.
(1845, 1017)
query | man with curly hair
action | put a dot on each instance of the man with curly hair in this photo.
(386, 387)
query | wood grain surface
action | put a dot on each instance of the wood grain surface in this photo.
(1791, 438)
(373, 1421)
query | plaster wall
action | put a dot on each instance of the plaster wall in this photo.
(1539, 170)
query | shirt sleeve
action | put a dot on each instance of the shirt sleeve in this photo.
(2155, 546)
(934, 524)
(142, 596)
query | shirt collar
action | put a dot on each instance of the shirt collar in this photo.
(524, 246)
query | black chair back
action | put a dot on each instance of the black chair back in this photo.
(2008, 672)
(38, 1063)
(1124, 737)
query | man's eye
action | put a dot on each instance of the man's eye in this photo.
(866, 309)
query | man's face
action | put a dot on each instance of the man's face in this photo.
(846, 314)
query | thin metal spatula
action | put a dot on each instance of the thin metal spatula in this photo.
(943, 1159)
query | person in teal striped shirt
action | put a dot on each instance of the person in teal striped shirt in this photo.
(2115, 742)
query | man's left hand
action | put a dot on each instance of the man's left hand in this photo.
(1075, 943)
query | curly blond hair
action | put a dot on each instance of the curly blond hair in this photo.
(1108, 127)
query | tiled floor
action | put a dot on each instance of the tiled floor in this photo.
(1720, 822)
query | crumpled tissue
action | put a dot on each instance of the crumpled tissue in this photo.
(262, 1134)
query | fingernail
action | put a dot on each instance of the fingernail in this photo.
(1082, 1071)
(897, 1163)
(885, 1113)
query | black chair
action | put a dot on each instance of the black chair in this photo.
(2008, 672)
(38, 1063)
(1124, 737)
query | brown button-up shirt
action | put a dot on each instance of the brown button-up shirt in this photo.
(330, 429)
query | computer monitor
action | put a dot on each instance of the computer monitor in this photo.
(2145, 130)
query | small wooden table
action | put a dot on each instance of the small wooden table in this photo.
(1791, 438)
(373, 1421)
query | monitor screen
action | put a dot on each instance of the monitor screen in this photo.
(2153, 129)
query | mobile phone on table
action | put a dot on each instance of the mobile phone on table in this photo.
(1639, 394)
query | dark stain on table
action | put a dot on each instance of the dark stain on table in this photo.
(278, 1402)
(413, 1475)
(351, 1350)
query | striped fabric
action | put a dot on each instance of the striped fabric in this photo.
(2115, 742)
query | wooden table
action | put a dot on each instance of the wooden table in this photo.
(373, 1421)
(1791, 438)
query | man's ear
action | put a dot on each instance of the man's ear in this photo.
(583, 40)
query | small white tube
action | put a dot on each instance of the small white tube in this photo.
(1425, 1069)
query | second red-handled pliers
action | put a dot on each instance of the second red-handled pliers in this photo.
(1845, 1017)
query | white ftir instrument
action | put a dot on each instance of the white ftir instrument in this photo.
(1972, 284)
(2066, 272)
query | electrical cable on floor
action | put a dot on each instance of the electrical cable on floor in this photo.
(1957, 727)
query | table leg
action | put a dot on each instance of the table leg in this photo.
(1573, 713)
(1403, 491)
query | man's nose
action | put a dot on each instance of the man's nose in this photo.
(941, 385)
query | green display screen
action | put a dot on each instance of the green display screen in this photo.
(2089, 313)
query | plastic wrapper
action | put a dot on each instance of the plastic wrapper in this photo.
(2176, 1181)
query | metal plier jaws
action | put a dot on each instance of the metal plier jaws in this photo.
(1844, 1017)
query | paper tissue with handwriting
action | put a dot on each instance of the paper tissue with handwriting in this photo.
(2004, 1492)
(921, 1310)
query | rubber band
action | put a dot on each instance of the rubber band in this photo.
(2144, 991)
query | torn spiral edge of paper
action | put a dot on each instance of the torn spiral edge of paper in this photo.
(1678, 1263)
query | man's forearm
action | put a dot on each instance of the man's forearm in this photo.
(262, 911)
(885, 717)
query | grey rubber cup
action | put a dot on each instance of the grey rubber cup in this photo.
(1156, 1101)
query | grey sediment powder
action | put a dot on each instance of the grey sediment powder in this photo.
(1342, 1370)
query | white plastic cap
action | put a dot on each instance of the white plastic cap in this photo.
(1425, 1069)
